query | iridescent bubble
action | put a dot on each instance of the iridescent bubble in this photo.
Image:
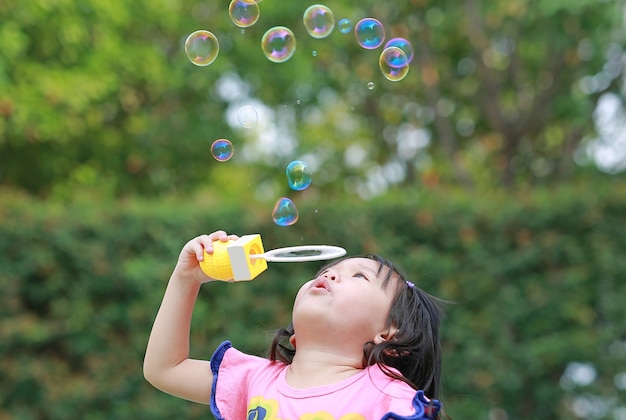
(247, 116)
(394, 64)
(298, 175)
(202, 48)
(222, 150)
(403, 44)
(345, 26)
(285, 212)
(318, 21)
(244, 13)
(369, 33)
(371, 85)
(278, 44)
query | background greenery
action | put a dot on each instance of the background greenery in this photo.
(474, 173)
(536, 281)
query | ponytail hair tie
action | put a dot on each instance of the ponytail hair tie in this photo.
(409, 284)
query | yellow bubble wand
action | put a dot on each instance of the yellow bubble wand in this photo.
(244, 259)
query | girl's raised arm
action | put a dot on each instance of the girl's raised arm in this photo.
(167, 365)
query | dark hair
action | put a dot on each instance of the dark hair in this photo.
(415, 350)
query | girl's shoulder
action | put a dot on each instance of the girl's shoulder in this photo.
(227, 358)
(400, 397)
(380, 375)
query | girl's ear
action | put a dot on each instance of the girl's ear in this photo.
(385, 335)
(292, 340)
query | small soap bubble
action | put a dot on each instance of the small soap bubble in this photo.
(285, 212)
(222, 150)
(371, 85)
(298, 175)
(314, 53)
(278, 44)
(370, 33)
(394, 64)
(247, 116)
(319, 21)
(345, 26)
(202, 48)
(244, 13)
(403, 44)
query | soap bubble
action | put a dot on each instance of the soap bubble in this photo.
(202, 48)
(370, 33)
(345, 26)
(298, 175)
(244, 13)
(278, 44)
(285, 212)
(394, 64)
(403, 44)
(222, 150)
(371, 85)
(247, 116)
(319, 21)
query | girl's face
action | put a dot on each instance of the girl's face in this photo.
(346, 302)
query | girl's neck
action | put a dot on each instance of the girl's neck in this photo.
(318, 368)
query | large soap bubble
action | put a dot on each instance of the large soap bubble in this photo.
(298, 175)
(394, 64)
(370, 33)
(244, 13)
(403, 44)
(278, 44)
(319, 21)
(222, 150)
(247, 116)
(202, 47)
(285, 212)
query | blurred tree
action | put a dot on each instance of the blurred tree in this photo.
(98, 94)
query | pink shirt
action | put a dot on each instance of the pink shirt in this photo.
(251, 387)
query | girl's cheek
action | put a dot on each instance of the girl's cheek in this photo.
(304, 287)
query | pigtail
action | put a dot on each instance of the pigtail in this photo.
(281, 349)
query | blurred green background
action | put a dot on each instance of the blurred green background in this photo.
(493, 173)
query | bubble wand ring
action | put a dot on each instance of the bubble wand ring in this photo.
(301, 253)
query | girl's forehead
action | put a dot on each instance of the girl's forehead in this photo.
(359, 262)
(377, 272)
(367, 265)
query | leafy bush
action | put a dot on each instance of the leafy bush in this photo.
(537, 283)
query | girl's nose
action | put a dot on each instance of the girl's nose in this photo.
(330, 275)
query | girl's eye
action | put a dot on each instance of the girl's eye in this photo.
(359, 274)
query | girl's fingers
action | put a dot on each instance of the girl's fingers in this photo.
(206, 242)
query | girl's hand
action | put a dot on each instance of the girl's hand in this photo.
(188, 265)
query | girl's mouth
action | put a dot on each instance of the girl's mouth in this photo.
(321, 283)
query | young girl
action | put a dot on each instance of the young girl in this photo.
(363, 344)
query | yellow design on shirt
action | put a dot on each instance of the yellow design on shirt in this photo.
(261, 409)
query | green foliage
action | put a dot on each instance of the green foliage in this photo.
(535, 280)
(99, 94)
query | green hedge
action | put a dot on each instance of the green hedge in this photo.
(537, 280)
